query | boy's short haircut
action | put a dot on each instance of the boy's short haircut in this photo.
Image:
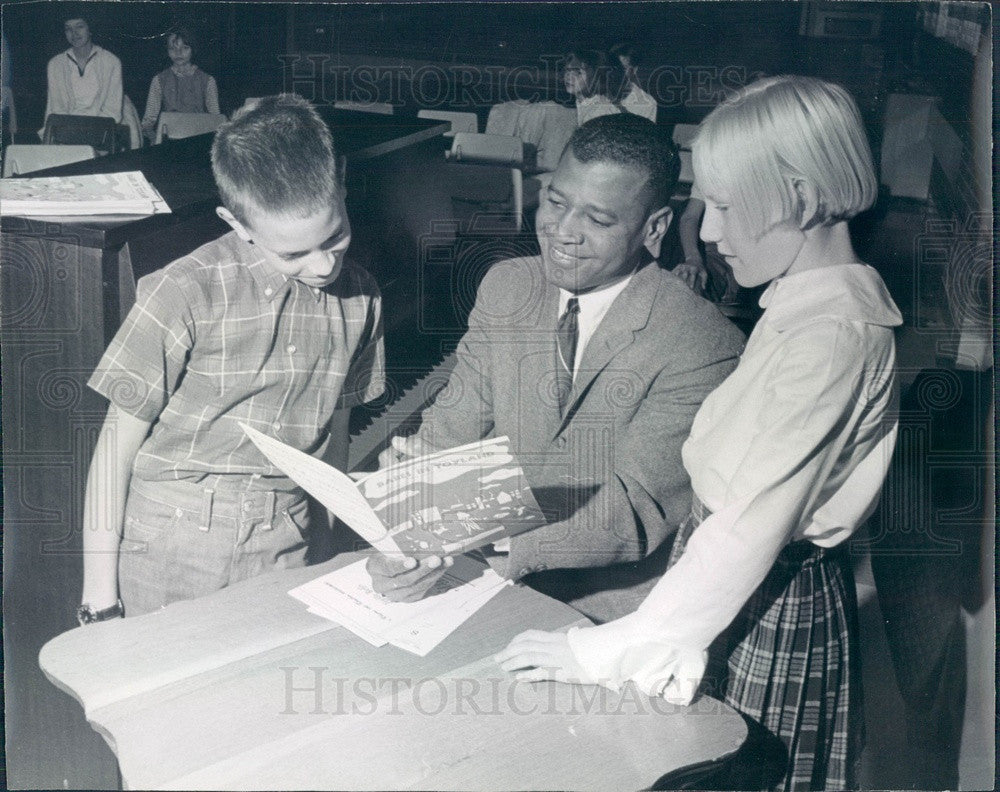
(751, 148)
(635, 142)
(277, 156)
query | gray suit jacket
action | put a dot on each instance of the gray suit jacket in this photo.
(608, 471)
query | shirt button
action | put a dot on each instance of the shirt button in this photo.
(561, 442)
(268, 291)
(276, 426)
(179, 512)
(524, 572)
(291, 349)
(247, 505)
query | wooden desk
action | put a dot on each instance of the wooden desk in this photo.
(244, 689)
(65, 287)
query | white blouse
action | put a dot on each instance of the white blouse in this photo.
(793, 445)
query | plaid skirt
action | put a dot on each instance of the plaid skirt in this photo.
(786, 661)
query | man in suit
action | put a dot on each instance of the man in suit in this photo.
(593, 361)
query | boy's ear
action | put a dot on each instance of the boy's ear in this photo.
(656, 228)
(236, 225)
(810, 205)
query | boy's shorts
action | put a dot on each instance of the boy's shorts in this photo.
(181, 540)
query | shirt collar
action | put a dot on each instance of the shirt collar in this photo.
(846, 291)
(596, 301)
(94, 49)
(271, 283)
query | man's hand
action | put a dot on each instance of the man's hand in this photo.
(405, 579)
(401, 448)
(537, 655)
(693, 272)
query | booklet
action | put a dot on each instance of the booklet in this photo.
(127, 193)
(443, 503)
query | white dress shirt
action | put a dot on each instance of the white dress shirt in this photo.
(793, 445)
(96, 92)
(593, 306)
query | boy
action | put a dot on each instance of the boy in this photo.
(266, 325)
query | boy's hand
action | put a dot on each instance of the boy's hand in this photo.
(537, 655)
(405, 579)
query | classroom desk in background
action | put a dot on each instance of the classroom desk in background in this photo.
(244, 689)
(66, 285)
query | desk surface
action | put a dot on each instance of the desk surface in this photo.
(181, 171)
(244, 689)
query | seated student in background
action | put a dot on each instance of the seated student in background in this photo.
(181, 88)
(636, 100)
(596, 81)
(786, 458)
(87, 80)
(592, 360)
(267, 325)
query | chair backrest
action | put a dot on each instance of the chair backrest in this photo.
(97, 131)
(382, 108)
(19, 158)
(504, 150)
(478, 147)
(460, 122)
(181, 125)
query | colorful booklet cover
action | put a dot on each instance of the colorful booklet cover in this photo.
(127, 193)
(443, 503)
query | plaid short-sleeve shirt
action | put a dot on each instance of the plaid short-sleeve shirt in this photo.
(216, 338)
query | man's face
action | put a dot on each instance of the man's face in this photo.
(77, 33)
(594, 222)
(309, 249)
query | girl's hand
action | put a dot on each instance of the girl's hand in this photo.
(537, 655)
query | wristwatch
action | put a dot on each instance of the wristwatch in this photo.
(85, 614)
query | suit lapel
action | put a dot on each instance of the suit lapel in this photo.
(539, 367)
(628, 314)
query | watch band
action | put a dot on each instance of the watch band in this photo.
(85, 614)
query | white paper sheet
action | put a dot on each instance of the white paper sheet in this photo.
(346, 596)
(336, 491)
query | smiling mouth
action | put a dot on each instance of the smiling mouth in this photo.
(561, 257)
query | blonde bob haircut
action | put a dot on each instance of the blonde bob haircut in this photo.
(753, 148)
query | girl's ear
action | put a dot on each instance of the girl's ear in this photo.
(810, 204)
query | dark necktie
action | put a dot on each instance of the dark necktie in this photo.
(567, 333)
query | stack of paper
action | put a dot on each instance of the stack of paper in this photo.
(346, 596)
(127, 193)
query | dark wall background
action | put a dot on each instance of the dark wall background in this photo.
(693, 50)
